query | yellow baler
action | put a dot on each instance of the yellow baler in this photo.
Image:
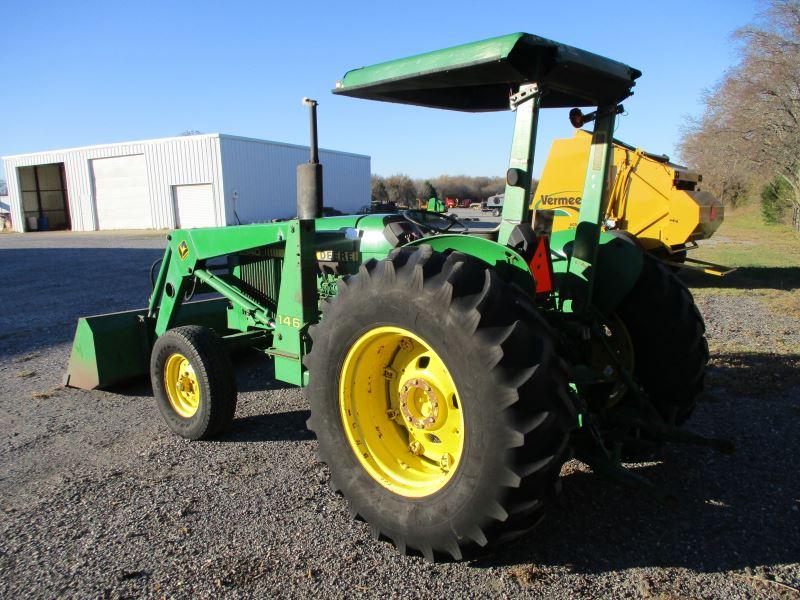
(654, 201)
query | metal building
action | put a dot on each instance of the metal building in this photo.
(189, 181)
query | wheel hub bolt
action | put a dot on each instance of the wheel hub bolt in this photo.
(184, 384)
(445, 462)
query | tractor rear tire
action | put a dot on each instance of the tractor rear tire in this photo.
(509, 388)
(668, 337)
(194, 382)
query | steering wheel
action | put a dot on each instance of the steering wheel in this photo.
(422, 218)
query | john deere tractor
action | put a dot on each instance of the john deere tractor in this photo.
(450, 373)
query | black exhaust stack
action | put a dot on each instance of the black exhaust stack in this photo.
(309, 175)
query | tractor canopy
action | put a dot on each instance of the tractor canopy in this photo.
(481, 76)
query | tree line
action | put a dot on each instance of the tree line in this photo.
(747, 141)
(402, 189)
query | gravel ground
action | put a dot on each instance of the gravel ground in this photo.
(97, 499)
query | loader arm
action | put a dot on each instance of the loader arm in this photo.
(185, 259)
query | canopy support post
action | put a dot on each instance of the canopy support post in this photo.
(516, 204)
(596, 191)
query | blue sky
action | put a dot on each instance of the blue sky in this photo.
(81, 73)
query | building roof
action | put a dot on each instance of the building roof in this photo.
(180, 138)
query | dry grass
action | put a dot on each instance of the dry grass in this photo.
(44, 394)
(27, 357)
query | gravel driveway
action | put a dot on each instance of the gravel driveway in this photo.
(97, 499)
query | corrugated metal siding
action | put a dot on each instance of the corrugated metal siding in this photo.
(170, 161)
(264, 176)
(262, 173)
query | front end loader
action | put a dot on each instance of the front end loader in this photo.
(450, 373)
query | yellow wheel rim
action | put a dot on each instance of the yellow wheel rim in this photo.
(401, 412)
(180, 382)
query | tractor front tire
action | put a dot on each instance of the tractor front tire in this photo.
(439, 402)
(194, 382)
(667, 333)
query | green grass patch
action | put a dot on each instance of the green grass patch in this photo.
(744, 240)
(766, 257)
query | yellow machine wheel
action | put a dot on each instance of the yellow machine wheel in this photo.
(439, 403)
(181, 385)
(193, 382)
(404, 422)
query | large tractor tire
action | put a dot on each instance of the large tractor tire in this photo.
(667, 333)
(194, 382)
(439, 403)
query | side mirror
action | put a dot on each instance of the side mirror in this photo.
(578, 119)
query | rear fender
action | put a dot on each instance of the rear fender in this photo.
(507, 263)
(619, 262)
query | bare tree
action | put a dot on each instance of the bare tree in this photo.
(465, 187)
(379, 193)
(404, 190)
(750, 130)
(426, 190)
(705, 149)
(764, 99)
(401, 189)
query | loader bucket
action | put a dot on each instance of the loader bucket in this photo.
(115, 347)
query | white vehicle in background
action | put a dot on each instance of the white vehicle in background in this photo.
(494, 204)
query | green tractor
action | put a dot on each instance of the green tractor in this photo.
(450, 373)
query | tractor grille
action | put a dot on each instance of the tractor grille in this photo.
(259, 272)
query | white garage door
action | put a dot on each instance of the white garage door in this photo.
(121, 193)
(194, 206)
